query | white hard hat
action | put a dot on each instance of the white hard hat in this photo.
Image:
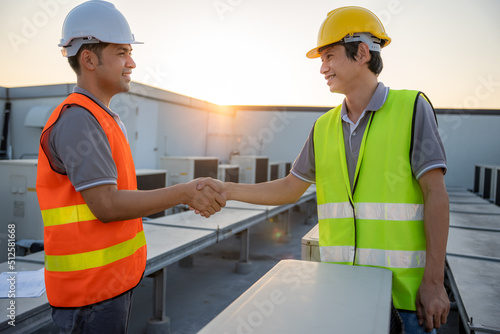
(93, 22)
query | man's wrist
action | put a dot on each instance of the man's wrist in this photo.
(229, 190)
(433, 276)
(180, 193)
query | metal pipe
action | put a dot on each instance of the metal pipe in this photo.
(475, 257)
(485, 229)
(483, 329)
(476, 213)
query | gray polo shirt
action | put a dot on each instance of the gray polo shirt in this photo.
(79, 148)
(428, 151)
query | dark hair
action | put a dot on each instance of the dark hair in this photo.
(351, 50)
(94, 47)
(375, 64)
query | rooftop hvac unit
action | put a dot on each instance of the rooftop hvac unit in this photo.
(488, 173)
(480, 177)
(229, 173)
(310, 245)
(185, 169)
(149, 179)
(288, 167)
(18, 202)
(495, 172)
(253, 169)
(496, 200)
(274, 168)
(278, 169)
(477, 178)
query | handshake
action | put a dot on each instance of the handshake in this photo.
(206, 196)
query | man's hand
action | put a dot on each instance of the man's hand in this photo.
(432, 301)
(207, 196)
(433, 305)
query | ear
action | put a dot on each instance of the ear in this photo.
(363, 56)
(88, 60)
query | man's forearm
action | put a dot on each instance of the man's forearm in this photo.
(109, 204)
(278, 192)
(436, 223)
(128, 204)
(432, 302)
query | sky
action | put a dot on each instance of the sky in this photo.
(252, 52)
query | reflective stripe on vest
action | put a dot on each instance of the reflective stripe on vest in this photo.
(95, 258)
(67, 215)
(374, 257)
(335, 210)
(336, 253)
(379, 211)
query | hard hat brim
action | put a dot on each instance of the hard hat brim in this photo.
(314, 53)
(71, 49)
(66, 43)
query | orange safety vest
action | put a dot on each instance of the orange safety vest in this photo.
(86, 260)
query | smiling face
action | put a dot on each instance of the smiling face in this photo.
(339, 71)
(114, 69)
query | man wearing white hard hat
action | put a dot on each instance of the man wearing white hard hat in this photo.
(95, 248)
(378, 164)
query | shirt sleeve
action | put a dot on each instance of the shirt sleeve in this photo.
(428, 150)
(80, 149)
(304, 166)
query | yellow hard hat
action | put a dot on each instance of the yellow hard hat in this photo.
(345, 21)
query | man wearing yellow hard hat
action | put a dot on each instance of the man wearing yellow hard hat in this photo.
(378, 163)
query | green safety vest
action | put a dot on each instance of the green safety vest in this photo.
(380, 222)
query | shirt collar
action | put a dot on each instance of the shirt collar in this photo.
(376, 102)
(95, 99)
